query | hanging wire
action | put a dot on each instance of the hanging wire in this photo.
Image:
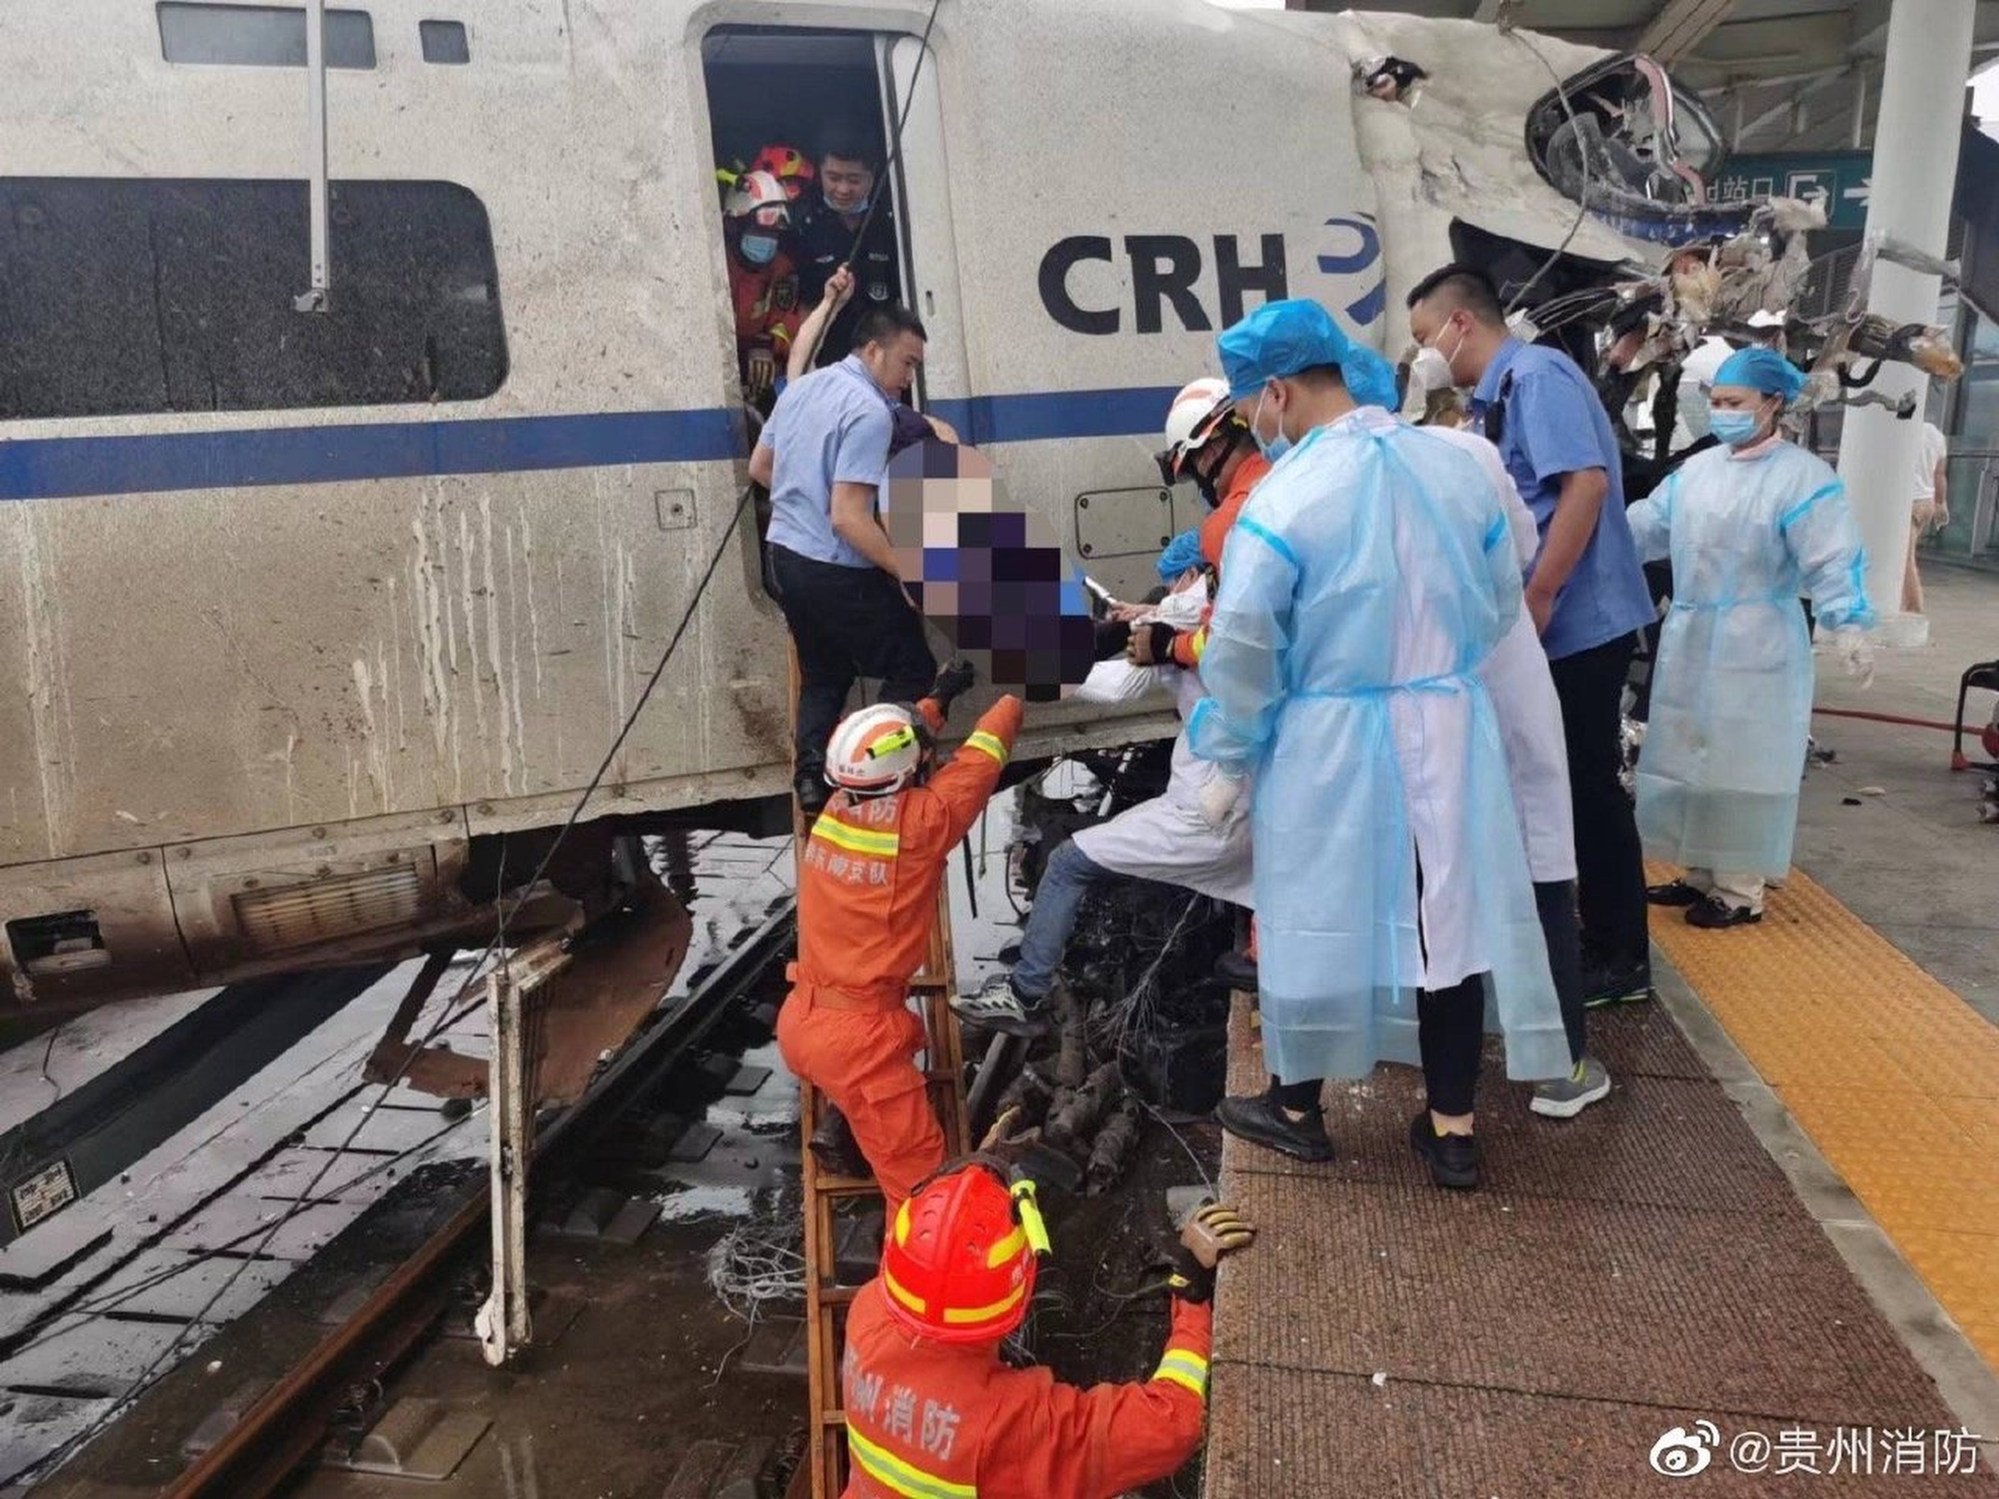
(1582, 196)
(890, 168)
(304, 1197)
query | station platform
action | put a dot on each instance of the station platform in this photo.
(1783, 1223)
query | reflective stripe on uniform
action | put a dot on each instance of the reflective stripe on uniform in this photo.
(986, 744)
(856, 840)
(1184, 1367)
(1200, 644)
(885, 1468)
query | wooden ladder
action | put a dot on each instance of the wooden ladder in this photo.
(826, 1299)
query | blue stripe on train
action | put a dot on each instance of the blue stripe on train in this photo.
(47, 468)
(1042, 415)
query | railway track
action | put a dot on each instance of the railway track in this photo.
(288, 1426)
(268, 1437)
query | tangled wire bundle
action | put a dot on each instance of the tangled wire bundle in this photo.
(760, 1263)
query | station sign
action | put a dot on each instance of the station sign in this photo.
(1842, 176)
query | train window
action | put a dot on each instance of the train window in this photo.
(268, 36)
(125, 295)
(444, 41)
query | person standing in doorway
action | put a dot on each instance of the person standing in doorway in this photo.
(1586, 591)
(1931, 511)
(850, 175)
(823, 455)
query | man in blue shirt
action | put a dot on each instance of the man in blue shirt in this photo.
(1586, 590)
(824, 455)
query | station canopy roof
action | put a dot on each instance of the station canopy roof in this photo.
(1777, 75)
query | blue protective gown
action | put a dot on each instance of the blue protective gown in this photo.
(1732, 694)
(1369, 575)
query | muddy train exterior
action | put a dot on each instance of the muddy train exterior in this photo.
(314, 610)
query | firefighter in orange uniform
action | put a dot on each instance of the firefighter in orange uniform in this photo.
(867, 896)
(1207, 441)
(932, 1410)
(763, 281)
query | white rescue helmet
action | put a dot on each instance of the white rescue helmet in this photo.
(875, 751)
(760, 198)
(1194, 417)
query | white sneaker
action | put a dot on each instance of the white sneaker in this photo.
(1566, 1097)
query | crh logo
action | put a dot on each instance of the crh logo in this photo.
(1203, 286)
(1682, 1454)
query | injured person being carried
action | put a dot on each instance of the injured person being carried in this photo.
(1191, 834)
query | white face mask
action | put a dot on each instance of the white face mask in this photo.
(1430, 370)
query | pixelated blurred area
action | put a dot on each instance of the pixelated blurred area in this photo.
(991, 576)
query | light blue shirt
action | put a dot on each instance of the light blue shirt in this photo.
(1553, 424)
(829, 427)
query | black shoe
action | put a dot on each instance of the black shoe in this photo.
(1714, 913)
(1262, 1120)
(1237, 971)
(1452, 1159)
(1674, 893)
(1616, 984)
(833, 1145)
(812, 792)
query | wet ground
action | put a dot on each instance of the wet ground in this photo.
(642, 1380)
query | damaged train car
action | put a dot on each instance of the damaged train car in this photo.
(330, 580)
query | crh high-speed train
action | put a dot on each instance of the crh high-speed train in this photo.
(322, 619)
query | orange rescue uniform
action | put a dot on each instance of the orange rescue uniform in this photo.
(766, 306)
(1189, 645)
(867, 897)
(930, 1420)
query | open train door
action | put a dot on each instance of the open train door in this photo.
(919, 179)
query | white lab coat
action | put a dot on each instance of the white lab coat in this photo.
(1118, 681)
(1523, 695)
(1166, 838)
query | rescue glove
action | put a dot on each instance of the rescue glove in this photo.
(1150, 644)
(1214, 1230)
(952, 682)
(1218, 797)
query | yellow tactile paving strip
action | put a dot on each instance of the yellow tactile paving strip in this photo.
(1893, 1076)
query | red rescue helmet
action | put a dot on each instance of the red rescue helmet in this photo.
(958, 1262)
(790, 166)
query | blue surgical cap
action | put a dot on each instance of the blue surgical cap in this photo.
(1762, 369)
(1182, 552)
(1283, 338)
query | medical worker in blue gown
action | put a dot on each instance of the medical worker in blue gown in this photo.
(1749, 526)
(1369, 575)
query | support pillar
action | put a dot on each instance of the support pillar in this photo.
(1915, 168)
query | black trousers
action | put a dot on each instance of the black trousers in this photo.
(1450, 1029)
(1555, 904)
(1609, 867)
(846, 622)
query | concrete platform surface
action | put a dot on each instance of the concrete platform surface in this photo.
(1770, 1259)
